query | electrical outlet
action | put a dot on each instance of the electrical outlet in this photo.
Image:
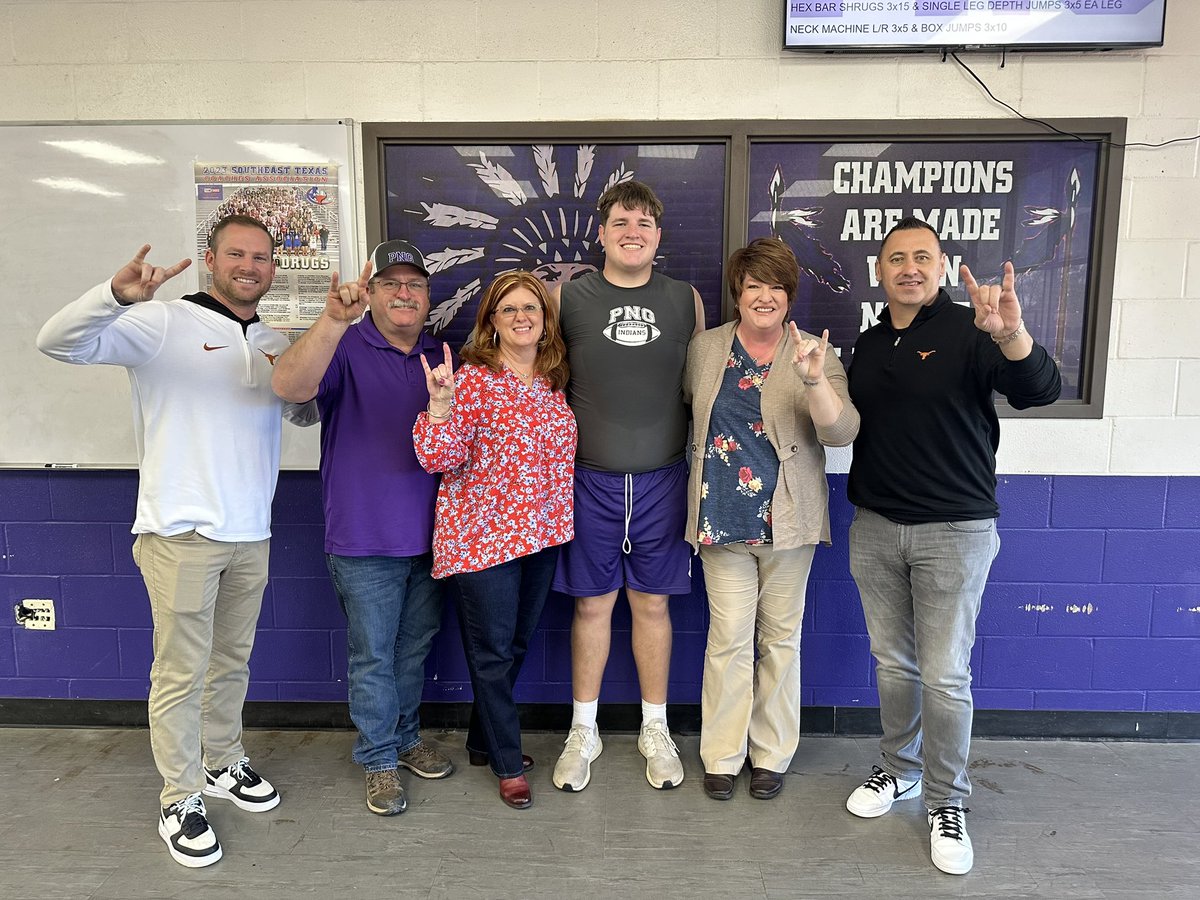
(35, 614)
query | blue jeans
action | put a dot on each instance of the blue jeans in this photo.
(921, 587)
(393, 609)
(498, 611)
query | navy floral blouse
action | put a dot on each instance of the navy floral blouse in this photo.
(740, 465)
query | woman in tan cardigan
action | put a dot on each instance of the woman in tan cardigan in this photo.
(766, 400)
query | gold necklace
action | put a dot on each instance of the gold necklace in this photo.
(528, 376)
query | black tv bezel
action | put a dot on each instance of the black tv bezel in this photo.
(883, 49)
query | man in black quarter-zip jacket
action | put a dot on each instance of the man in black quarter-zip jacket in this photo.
(923, 481)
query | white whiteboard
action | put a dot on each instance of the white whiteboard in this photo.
(56, 243)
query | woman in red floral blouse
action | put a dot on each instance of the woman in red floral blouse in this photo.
(500, 431)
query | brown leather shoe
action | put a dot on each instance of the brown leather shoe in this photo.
(718, 785)
(765, 784)
(515, 792)
(479, 758)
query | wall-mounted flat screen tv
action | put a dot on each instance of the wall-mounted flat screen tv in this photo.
(864, 26)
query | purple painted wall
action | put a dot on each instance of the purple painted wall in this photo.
(1094, 603)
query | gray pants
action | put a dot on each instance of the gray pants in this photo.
(205, 598)
(921, 587)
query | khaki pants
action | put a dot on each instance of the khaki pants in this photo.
(755, 597)
(205, 598)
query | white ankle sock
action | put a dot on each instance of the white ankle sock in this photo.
(584, 712)
(652, 711)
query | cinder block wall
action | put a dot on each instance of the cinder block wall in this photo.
(1095, 601)
(1094, 604)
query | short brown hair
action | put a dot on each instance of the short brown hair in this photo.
(767, 260)
(631, 195)
(551, 360)
(237, 219)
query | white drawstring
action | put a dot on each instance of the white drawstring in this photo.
(626, 546)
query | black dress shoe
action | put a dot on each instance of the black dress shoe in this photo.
(515, 792)
(718, 785)
(479, 758)
(765, 784)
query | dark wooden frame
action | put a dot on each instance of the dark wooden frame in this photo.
(738, 137)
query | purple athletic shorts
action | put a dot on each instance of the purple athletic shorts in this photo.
(628, 533)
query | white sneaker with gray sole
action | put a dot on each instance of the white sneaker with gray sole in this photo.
(876, 795)
(573, 770)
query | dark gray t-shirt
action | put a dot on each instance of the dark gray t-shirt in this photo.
(627, 348)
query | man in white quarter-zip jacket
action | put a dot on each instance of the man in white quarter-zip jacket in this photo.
(208, 430)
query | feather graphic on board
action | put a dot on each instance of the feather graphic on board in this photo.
(440, 260)
(584, 158)
(543, 159)
(815, 261)
(1047, 228)
(443, 215)
(443, 314)
(775, 190)
(1073, 189)
(497, 178)
(617, 177)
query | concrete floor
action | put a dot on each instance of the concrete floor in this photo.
(1050, 819)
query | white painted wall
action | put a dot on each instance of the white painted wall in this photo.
(515, 60)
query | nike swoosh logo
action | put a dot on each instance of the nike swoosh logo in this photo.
(221, 347)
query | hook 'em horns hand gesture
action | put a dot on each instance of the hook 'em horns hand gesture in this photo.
(138, 280)
(346, 302)
(997, 309)
(440, 382)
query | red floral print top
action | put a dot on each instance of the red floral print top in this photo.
(507, 454)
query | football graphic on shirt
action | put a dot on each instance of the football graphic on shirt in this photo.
(631, 334)
(631, 326)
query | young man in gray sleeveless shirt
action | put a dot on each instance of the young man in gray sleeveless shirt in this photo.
(627, 330)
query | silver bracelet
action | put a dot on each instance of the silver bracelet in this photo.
(811, 383)
(1011, 336)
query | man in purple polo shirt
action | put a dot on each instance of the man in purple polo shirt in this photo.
(368, 381)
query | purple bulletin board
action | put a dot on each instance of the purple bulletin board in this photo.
(482, 198)
(479, 209)
(1030, 201)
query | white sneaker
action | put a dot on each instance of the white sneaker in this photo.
(241, 784)
(187, 834)
(876, 795)
(663, 768)
(949, 844)
(573, 770)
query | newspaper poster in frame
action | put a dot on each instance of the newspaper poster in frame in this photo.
(299, 204)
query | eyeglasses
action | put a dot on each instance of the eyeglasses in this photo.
(388, 286)
(510, 312)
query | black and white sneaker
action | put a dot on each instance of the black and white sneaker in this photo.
(949, 844)
(246, 788)
(875, 796)
(187, 834)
